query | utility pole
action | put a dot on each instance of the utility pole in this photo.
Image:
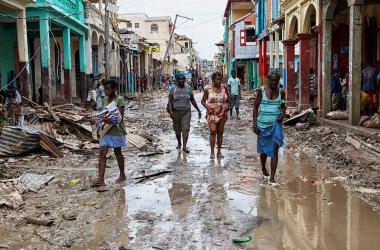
(170, 39)
(106, 35)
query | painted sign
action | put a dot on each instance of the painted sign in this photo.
(154, 48)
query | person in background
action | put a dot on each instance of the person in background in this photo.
(369, 84)
(12, 80)
(171, 84)
(268, 114)
(313, 88)
(235, 91)
(336, 92)
(179, 106)
(114, 138)
(100, 93)
(216, 100)
(91, 97)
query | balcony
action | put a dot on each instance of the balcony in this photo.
(93, 16)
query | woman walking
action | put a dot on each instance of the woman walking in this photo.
(216, 100)
(268, 114)
(180, 99)
(114, 131)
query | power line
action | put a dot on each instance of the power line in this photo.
(207, 21)
(166, 10)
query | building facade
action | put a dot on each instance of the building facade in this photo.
(239, 41)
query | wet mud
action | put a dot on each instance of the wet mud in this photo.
(201, 204)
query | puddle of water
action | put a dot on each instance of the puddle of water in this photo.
(309, 213)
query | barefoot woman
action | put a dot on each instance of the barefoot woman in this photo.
(115, 137)
(268, 113)
(216, 101)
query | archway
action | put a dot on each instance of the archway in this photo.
(95, 53)
(101, 55)
(293, 28)
(310, 21)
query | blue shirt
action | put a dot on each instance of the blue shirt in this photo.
(234, 84)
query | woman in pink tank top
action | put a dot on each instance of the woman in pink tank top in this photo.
(216, 100)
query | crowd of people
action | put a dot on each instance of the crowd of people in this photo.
(219, 99)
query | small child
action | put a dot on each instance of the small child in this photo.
(115, 136)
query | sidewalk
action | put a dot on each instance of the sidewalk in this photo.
(367, 132)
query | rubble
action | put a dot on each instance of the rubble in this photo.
(337, 115)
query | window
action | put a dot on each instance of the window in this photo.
(251, 36)
(129, 25)
(154, 28)
(137, 25)
(186, 45)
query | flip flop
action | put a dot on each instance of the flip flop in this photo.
(274, 184)
(242, 239)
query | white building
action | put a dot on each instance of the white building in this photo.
(156, 30)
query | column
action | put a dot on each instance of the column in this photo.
(45, 59)
(22, 43)
(318, 30)
(289, 67)
(271, 63)
(89, 69)
(304, 96)
(378, 50)
(265, 69)
(355, 63)
(260, 63)
(67, 64)
(82, 63)
(277, 49)
(326, 66)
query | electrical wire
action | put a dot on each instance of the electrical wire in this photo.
(207, 21)
(175, 12)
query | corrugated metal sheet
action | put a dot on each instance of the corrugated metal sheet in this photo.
(136, 140)
(18, 140)
(34, 181)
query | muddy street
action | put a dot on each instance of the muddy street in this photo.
(196, 203)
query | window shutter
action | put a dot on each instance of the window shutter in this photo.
(243, 37)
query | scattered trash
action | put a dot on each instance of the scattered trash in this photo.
(10, 193)
(337, 115)
(242, 239)
(302, 126)
(69, 215)
(74, 181)
(38, 221)
(307, 116)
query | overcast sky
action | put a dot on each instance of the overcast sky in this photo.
(205, 30)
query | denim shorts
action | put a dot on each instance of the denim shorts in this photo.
(235, 101)
(113, 141)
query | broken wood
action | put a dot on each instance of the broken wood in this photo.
(52, 113)
(37, 221)
(49, 146)
(29, 101)
(137, 140)
(141, 178)
(158, 152)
